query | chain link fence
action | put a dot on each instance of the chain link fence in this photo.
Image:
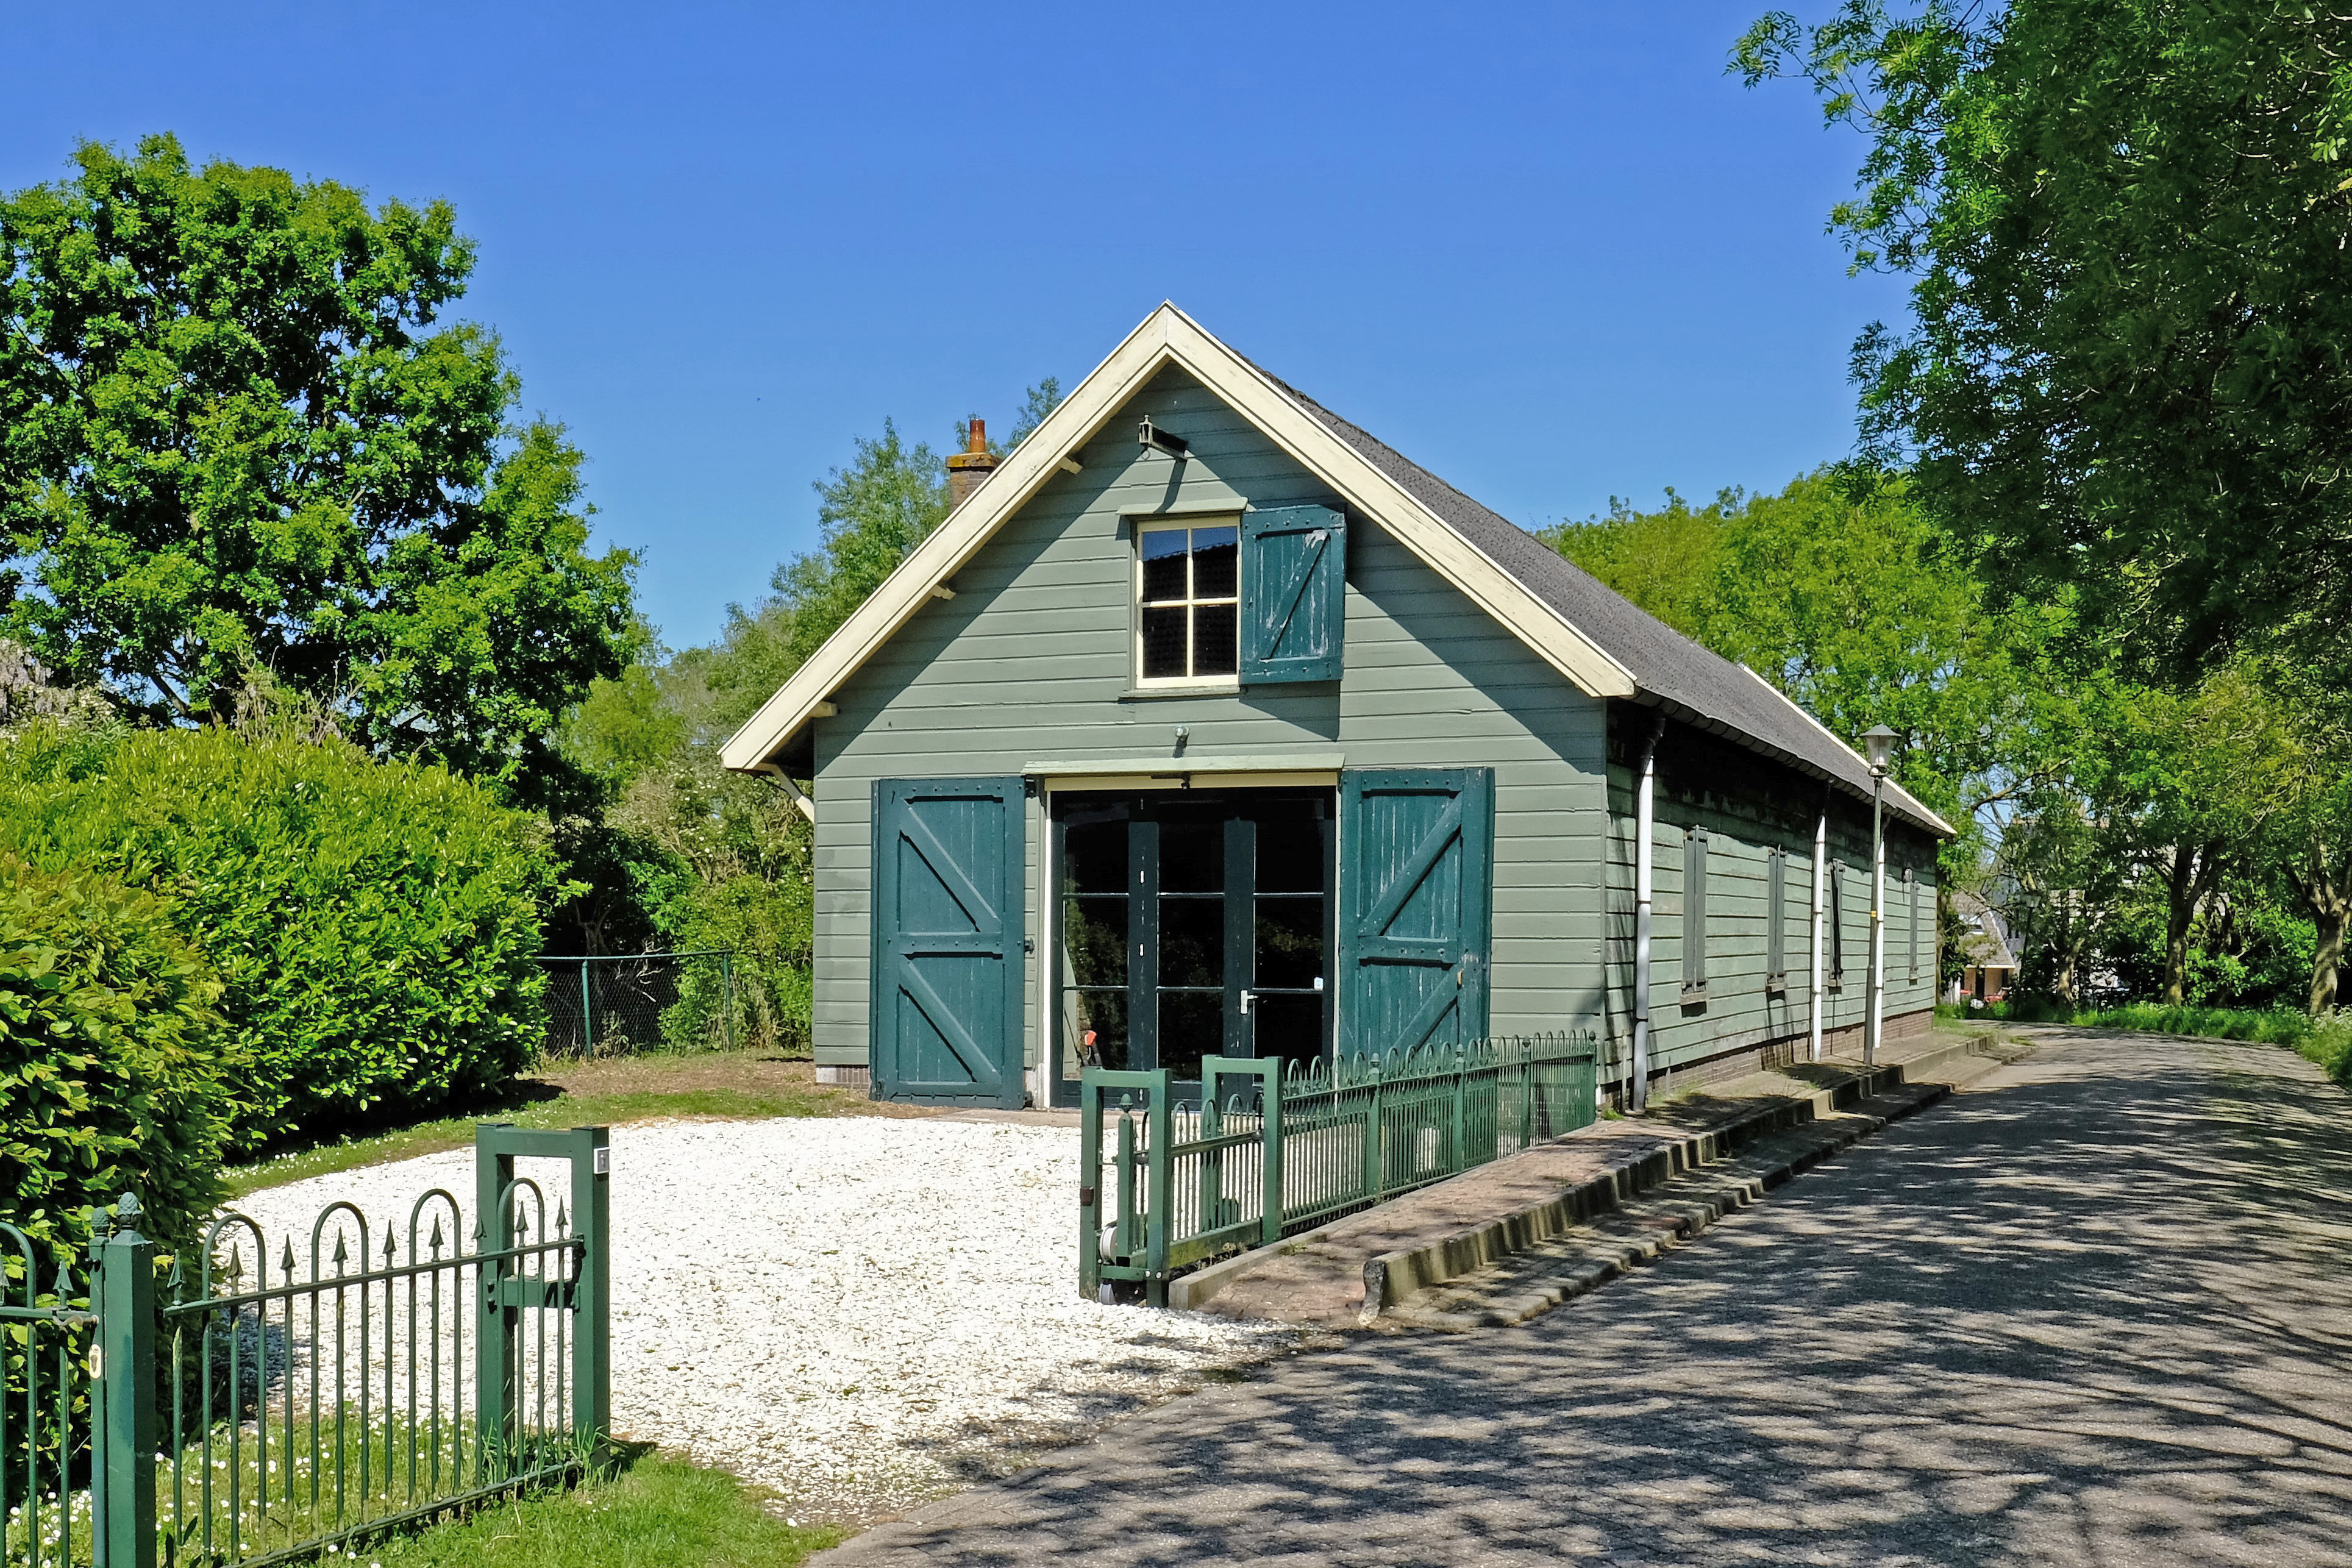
(635, 1002)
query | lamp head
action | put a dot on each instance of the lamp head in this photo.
(1878, 747)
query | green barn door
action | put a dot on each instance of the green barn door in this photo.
(1416, 895)
(948, 928)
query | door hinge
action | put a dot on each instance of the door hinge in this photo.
(1029, 786)
(1028, 945)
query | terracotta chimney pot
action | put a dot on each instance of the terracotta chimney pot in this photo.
(967, 468)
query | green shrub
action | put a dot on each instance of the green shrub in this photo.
(109, 1075)
(2329, 1043)
(376, 925)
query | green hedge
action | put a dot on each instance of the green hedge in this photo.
(110, 1078)
(375, 926)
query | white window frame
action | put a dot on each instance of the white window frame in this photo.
(1186, 524)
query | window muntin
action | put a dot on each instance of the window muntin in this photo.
(1188, 610)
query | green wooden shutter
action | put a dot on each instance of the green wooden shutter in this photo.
(1417, 900)
(1693, 913)
(949, 923)
(1911, 897)
(1294, 594)
(1836, 913)
(1776, 920)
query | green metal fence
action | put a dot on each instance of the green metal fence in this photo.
(241, 1406)
(1267, 1150)
(630, 1002)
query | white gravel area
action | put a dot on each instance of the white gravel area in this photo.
(858, 1312)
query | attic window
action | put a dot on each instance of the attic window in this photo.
(1187, 603)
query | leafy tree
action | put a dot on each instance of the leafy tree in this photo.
(1834, 593)
(236, 433)
(686, 854)
(2125, 385)
(2313, 829)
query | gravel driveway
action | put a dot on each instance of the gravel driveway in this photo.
(858, 1312)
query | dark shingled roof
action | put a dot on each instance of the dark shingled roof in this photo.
(1689, 681)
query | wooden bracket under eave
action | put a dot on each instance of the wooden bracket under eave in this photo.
(824, 710)
(1072, 465)
(941, 591)
(799, 797)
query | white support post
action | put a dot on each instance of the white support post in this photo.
(1877, 920)
(1644, 830)
(1820, 895)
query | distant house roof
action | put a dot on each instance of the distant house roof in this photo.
(1985, 942)
(1592, 634)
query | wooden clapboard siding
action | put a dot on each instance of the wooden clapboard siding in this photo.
(1030, 661)
(1748, 806)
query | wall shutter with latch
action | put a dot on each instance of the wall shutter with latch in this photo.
(1294, 594)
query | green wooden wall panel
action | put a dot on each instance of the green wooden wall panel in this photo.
(1030, 659)
(1737, 1011)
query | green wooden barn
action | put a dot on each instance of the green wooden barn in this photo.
(1208, 724)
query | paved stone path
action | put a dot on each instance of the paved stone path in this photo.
(2096, 1311)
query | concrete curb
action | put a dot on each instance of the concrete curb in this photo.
(1391, 1276)
(1664, 1224)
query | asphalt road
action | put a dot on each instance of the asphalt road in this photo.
(2096, 1311)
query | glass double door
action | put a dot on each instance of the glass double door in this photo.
(1191, 923)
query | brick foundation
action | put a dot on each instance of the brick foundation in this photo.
(846, 1076)
(1787, 1051)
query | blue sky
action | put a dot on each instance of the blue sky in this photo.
(1553, 252)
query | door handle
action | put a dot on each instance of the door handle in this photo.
(1246, 996)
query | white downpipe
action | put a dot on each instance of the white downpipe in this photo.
(1820, 895)
(1645, 826)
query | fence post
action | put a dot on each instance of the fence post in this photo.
(1375, 1165)
(1160, 1193)
(1270, 1160)
(126, 1391)
(587, 1015)
(592, 1337)
(1211, 1195)
(727, 1002)
(1459, 1151)
(1090, 1109)
(495, 1323)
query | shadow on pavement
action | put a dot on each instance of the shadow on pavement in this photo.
(2095, 1314)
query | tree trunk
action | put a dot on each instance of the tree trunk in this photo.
(2325, 962)
(2330, 903)
(2189, 879)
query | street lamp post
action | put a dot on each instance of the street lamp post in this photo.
(1878, 742)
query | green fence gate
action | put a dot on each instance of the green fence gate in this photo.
(237, 1406)
(1164, 1184)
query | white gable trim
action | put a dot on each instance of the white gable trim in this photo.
(1169, 336)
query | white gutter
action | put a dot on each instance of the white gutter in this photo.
(1645, 829)
(1820, 887)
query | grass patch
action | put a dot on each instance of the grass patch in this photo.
(2326, 1040)
(611, 1091)
(655, 1513)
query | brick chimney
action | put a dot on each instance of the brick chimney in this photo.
(967, 468)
